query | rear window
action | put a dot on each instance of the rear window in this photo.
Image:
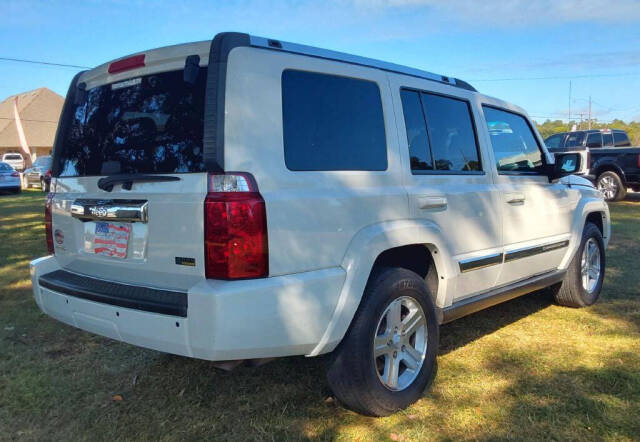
(332, 123)
(12, 157)
(42, 162)
(150, 124)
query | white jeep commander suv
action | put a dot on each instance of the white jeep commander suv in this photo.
(247, 198)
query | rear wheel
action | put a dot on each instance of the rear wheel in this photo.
(582, 284)
(611, 186)
(388, 356)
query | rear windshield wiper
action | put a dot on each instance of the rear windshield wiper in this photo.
(127, 180)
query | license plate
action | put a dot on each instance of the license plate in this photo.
(111, 239)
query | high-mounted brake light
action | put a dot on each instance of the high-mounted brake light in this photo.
(235, 228)
(47, 223)
(137, 61)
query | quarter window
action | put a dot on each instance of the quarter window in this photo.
(621, 139)
(514, 144)
(332, 123)
(440, 133)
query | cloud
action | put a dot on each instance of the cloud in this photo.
(508, 13)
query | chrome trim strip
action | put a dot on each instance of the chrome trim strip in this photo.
(110, 210)
(469, 264)
(526, 252)
(295, 48)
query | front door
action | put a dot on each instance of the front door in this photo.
(536, 214)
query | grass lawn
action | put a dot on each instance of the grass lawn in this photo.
(527, 369)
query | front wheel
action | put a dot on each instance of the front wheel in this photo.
(583, 281)
(388, 357)
(611, 186)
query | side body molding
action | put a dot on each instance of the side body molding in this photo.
(358, 261)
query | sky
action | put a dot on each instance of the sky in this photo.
(527, 52)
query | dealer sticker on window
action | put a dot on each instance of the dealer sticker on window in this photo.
(111, 239)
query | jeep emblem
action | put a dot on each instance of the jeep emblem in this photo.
(98, 211)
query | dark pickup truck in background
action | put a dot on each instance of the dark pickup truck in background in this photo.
(608, 159)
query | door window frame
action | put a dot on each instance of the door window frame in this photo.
(543, 154)
(434, 171)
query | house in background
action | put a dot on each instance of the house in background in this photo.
(38, 112)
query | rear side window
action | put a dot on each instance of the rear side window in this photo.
(514, 144)
(621, 139)
(332, 123)
(554, 140)
(594, 139)
(440, 133)
(607, 139)
(149, 124)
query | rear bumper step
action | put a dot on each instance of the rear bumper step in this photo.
(113, 293)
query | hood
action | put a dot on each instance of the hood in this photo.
(574, 180)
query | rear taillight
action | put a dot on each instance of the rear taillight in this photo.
(235, 228)
(15, 174)
(639, 161)
(48, 173)
(47, 223)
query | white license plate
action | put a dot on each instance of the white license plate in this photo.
(111, 239)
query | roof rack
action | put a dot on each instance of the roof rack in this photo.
(311, 51)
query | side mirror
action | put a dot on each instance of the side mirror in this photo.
(566, 164)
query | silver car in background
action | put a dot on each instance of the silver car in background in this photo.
(9, 178)
(39, 174)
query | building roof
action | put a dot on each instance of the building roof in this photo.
(39, 113)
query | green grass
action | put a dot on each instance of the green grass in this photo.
(527, 369)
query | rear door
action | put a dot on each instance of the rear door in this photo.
(150, 231)
(446, 180)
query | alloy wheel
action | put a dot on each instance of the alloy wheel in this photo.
(590, 265)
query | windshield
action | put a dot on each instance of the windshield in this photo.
(150, 124)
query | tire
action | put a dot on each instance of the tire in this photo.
(571, 292)
(356, 377)
(611, 186)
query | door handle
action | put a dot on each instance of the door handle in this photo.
(432, 202)
(515, 197)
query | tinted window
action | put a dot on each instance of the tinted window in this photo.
(514, 144)
(621, 139)
(13, 157)
(150, 124)
(417, 138)
(554, 140)
(594, 140)
(574, 139)
(332, 123)
(607, 139)
(451, 133)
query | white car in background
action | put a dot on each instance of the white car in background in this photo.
(15, 160)
(9, 178)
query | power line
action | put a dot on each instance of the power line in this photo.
(46, 63)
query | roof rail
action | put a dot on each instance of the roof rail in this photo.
(311, 51)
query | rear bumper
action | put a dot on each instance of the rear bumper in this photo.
(225, 320)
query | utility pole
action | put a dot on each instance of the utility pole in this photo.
(589, 111)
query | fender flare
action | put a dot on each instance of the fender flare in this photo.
(586, 206)
(609, 164)
(358, 261)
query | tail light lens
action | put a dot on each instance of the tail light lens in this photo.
(639, 161)
(15, 174)
(47, 223)
(235, 224)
